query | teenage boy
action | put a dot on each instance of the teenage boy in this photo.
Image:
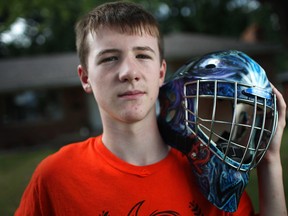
(129, 170)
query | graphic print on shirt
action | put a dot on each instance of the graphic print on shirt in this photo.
(196, 209)
(135, 211)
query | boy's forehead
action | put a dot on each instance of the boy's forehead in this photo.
(107, 36)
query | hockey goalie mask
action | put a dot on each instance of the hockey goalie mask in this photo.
(220, 111)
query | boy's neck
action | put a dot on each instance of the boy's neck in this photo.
(138, 143)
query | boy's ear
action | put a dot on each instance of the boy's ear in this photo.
(83, 75)
(163, 69)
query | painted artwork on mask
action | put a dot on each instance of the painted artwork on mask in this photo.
(220, 111)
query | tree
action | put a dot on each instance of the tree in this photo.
(279, 8)
(49, 25)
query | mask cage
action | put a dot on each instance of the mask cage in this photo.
(236, 126)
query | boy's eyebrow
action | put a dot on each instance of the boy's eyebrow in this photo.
(144, 48)
(105, 51)
(141, 48)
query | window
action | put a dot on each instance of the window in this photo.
(31, 106)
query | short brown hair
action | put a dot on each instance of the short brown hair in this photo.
(124, 17)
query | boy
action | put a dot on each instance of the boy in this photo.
(129, 170)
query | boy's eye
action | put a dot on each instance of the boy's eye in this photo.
(143, 56)
(108, 59)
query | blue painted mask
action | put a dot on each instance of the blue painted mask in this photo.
(220, 111)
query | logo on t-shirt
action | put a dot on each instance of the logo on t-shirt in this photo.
(135, 211)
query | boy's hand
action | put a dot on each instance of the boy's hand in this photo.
(273, 151)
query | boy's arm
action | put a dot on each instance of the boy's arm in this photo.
(270, 178)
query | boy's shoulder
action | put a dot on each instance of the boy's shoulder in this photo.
(66, 158)
(75, 149)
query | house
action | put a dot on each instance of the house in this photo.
(42, 101)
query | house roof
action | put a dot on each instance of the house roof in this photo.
(183, 45)
(37, 72)
(60, 70)
(283, 77)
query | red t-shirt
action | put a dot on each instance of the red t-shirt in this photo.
(86, 179)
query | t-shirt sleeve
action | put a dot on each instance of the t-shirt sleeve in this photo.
(35, 199)
(245, 207)
(30, 202)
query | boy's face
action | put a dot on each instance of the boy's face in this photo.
(125, 73)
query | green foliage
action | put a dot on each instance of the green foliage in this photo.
(50, 24)
(222, 17)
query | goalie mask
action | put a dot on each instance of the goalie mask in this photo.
(220, 111)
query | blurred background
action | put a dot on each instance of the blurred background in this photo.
(42, 104)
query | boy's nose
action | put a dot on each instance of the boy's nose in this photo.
(128, 71)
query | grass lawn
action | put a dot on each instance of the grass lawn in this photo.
(16, 168)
